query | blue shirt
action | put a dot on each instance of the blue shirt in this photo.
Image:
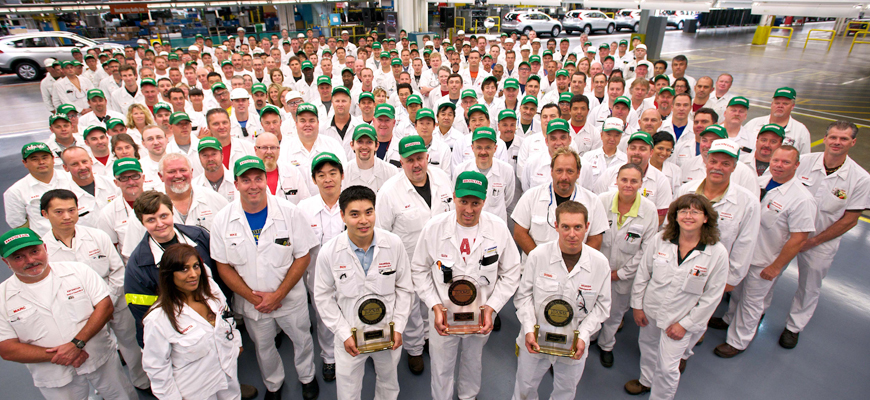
(257, 220)
(678, 130)
(772, 185)
(365, 257)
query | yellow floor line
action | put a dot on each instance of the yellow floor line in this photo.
(817, 142)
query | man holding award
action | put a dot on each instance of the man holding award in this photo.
(363, 289)
(563, 298)
(465, 268)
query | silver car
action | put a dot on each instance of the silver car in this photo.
(627, 19)
(525, 22)
(588, 21)
(25, 53)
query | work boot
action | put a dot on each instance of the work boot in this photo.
(788, 339)
(276, 395)
(328, 371)
(415, 364)
(634, 387)
(683, 363)
(606, 358)
(717, 323)
(726, 350)
(496, 323)
(310, 390)
(248, 392)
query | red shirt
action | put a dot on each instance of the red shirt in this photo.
(103, 160)
(272, 180)
(227, 150)
(696, 107)
(577, 128)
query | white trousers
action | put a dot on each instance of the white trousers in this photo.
(109, 379)
(416, 328)
(749, 308)
(620, 303)
(296, 325)
(123, 326)
(813, 266)
(443, 352)
(349, 372)
(531, 369)
(660, 360)
(233, 390)
(325, 337)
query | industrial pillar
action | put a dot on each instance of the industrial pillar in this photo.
(412, 14)
(286, 16)
(762, 32)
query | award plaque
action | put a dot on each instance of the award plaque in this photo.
(556, 328)
(464, 308)
(373, 327)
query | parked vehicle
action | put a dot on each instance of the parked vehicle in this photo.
(627, 19)
(526, 21)
(588, 21)
(677, 18)
(24, 54)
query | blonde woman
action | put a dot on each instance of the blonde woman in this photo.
(275, 92)
(583, 65)
(138, 117)
(380, 95)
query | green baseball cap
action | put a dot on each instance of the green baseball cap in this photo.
(348, 69)
(385, 110)
(623, 42)
(623, 100)
(739, 101)
(259, 87)
(367, 130)
(324, 80)
(384, 54)
(484, 132)
(95, 93)
(425, 113)
(468, 93)
(786, 92)
(486, 56)
(660, 76)
(535, 59)
(414, 99)
(562, 72)
(548, 53)
(174, 56)
(668, 89)
(147, 81)
(17, 239)
(306, 107)
(177, 117)
(396, 61)
(376, 45)
(34, 147)
(529, 99)
(507, 114)
(448, 104)
(224, 62)
(511, 83)
(248, 162)
(55, 117)
(471, 183)
(66, 109)
(268, 108)
(410, 145)
(326, 51)
(478, 108)
(569, 62)
(603, 46)
(92, 128)
(451, 48)
(725, 146)
(557, 124)
(307, 64)
(209, 143)
(198, 36)
(717, 130)
(113, 122)
(322, 158)
(534, 78)
(609, 58)
(773, 128)
(366, 95)
(75, 50)
(641, 135)
(340, 89)
(126, 164)
(526, 63)
(565, 97)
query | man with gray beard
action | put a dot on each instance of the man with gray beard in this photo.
(196, 208)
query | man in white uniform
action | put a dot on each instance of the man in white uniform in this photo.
(214, 175)
(21, 200)
(796, 133)
(367, 169)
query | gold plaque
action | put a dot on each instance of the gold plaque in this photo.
(558, 313)
(462, 292)
(372, 311)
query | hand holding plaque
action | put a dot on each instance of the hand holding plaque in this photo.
(463, 312)
(373, 328)
(556, 329)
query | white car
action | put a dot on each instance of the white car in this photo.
(627, 19)
(23, 54)
(526, 21)
(588, 21)
(677, 18)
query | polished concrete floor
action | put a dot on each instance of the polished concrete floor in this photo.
(832, 358)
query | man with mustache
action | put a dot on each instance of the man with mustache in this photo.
(769, 139)
(695, 168)
(214, 177)
(190, 207)
(93, 191)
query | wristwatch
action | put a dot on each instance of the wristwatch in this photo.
(80, 344)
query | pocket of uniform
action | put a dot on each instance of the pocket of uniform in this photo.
(694, 284)
(190, 348)
(79, 308)
(26, 325)
(235, 251)
(346, 283)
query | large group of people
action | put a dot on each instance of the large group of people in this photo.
(408, 191)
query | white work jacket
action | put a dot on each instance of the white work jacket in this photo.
(687, 293)
(545, 274)
(91, 119)
(623, 245)
(493, 262)
(238, 149)
(121, 99)
(749, 160)
(586, 139)
(373, 178)
(67, 93)
(151, 174)
(105, 191)
(46, 88)
(672, 172)
(403, 211)
(23, 316)
(340, 281)
(796, 133)
(595, 163)
(227, 189)
(294, 153)
(684, 147)
(739, 215)
(263, 265)
(195, 362)
(462, 150)
(696, 170)
(656, 186)
(253, 127)
(115, 219)
(501, 186)
(21, 201)
(203, 208)
(94, 248)
(325, 222)
(785, 209)
(536, 211)
(292, 185)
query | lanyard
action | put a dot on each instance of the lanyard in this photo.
(552, 198)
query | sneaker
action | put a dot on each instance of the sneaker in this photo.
(634, 387)
(496, 323)
(788, 339)
(606, 358)
(328, 372)
(248, 392)
(726, 350)
(276, 395)
(682, 367)
(415, 364)
(717, 323)
(310, 390)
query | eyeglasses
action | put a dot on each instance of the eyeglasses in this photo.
(690, 211)
(134, 177)
(266, 148)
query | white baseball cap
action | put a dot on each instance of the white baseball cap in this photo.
(193, 48)
(641, 46)
(726, 146)
(508, 40)
(429, 44)
(460, 33)
(645, 62)
(240, 29)
(142, 41)
(343, 32)
(239, 93)
(536, 40)
(48, 62)
(292, 95)
(613, 124)
(525, 47)
(300, 36)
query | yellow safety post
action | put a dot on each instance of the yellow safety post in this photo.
(830, 40)
(863, 35)
(790, 32)
(497, 19)
(455, 23)
(856, 26)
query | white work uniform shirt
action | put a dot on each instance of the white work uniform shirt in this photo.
(739, 215)
(493, 260)
(115, 219)
(656, 186)
(696, 170)
(67, 93)
(687, 293)
(21, 201)
(340, 281)
(536, 211)
(227, 188)
(785, 209)
(105, 191)
(588, 285)
(121, 99)
(719, 104)
(500, 189)
(25, 317)
(462, 150)
(263, 265)
(796, 133)
(372, 178)
(623, 245)
(292, 185)
(325, 221)
(401, 210)
(595, 163)
(749, 160)
(203, 208)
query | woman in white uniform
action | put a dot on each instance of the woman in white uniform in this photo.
(678, 285)
(191, 344)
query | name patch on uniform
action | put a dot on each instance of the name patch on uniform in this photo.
(189, 327)
(699, 270)
(725, 215)
(490, 251)
(74, 291)
(584, 287)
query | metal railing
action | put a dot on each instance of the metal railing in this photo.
(790, 32)
(861, 34)
(830, 40)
